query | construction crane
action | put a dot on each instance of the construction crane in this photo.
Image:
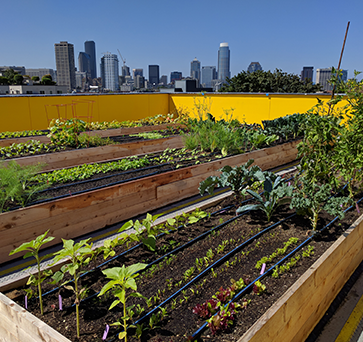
(123, 60)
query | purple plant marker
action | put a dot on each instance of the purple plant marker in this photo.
(263, 268)
(60, 302)
(289, 183)
(26, 302)
(106, 332)
(356, 205)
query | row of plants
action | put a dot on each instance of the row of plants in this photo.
(20, 134)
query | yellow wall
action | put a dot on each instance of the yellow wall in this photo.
(19, 113)
(252, 108)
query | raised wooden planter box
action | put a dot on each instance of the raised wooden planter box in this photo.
(76, 157)
(102, 133)
(295, 314)
(291, 318)
(80, 214)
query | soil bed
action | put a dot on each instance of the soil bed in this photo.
(181, 322)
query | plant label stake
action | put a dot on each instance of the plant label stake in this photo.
(263, 268)
(26, 302)
(60, 303)
(106, 332)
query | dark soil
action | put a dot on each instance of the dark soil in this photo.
(153, 283)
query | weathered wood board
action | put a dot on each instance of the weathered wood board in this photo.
(80, 214)
(76, 157)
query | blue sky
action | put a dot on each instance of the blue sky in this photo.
(284, 34)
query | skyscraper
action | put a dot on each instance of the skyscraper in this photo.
(223, 62)
(254, 66)
(195, 70)
(84, 63)
(164, 80)
(324, 75)
(175, 76)
(136, 72)
(109, 71)
(90, 49)
(208, 74)
(154, 75)
(64, 59)
(307, 73)
(125, 70)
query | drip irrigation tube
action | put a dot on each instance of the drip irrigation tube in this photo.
(169, 253)
(270, 270)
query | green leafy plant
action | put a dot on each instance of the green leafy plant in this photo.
(32, 249)
(16, 185)
(237, 178)
(312, 198)
(122, 280)
(276, 193)
(78, 256)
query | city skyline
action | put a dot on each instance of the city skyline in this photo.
(278, 35)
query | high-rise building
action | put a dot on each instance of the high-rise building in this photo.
(109, 71)
(139, 82)
(137, 72)
(90, 49)
(175, 76)
(324, 75)
(164, 80)
(195, 70)
(84, 63)
(154, 75)
(64, 59)
(209, 73)
(307, 73)
(223, 62)
(254, 66)
(18, 69)
(125, 70)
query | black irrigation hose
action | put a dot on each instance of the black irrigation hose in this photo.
(216, 263)
(171, 252)
(135, 247)
(270, 270)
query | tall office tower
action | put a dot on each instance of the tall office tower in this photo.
(139, 82)
(195, 70)
(208, 74)
(154, 75)
(164, 80)
(125, 70)
(90, 49)
(137, 72)
(307, 73)
(64, 60)
(324, 75)
(254, 66)
(109, 71)
(84, 63)
(175, 76)
(223, 62)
